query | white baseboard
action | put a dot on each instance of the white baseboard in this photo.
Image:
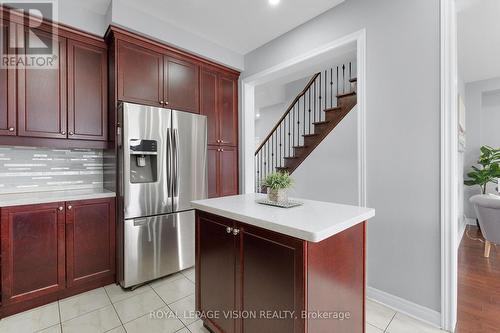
(461, 231)
(399, 304)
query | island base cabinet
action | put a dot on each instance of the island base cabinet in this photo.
(250, 279)
(55, 250)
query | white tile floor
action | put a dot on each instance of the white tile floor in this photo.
(110, 309)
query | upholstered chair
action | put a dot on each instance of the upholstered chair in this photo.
(487, 208)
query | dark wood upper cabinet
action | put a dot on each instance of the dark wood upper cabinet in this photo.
(228, 111)
(90, 240)
(216, 256)
(42, 106)
(208, 104)
(87, 91)
(181, 84)
(33, 252)
(8, 123)
(228, 171)
(140, 75)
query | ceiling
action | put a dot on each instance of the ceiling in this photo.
(97, 6)
(239, 25)
(478, 39)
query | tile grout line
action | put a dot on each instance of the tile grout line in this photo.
(393, 316)
(116, 312)
(171, 308)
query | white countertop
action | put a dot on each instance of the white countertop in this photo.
(32, 198)
(314, 221)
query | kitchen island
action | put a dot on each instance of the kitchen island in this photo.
(267, 269)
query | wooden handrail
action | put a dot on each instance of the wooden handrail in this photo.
(302, 93)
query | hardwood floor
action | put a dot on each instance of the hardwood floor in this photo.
(478, 286)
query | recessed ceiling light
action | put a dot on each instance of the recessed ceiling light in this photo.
(274, 2)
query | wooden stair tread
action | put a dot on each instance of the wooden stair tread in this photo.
(354, 79)
(337, 108)
(352, 93)
(299, 147)
(290, 157)
(321, 122)
(309, 135)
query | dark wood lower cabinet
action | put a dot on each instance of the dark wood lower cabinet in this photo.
(90, 241)
(51, 251)
(32, 252)
(216, 270)
(254, 280)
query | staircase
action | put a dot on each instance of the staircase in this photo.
(326, 99)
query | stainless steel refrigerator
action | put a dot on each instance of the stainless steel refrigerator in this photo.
(162, 167)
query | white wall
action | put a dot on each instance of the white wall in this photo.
(482, 128)
(270, 108)
(460, 173)
(131, 17)
(330, 173)
(403, 118)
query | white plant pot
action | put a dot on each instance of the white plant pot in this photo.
(280, 195)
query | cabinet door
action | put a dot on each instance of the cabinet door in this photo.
(181, 85)
(32, 251)
(228, 111)
(213, 171)
(87, 91)
(215, 270)
(208, 104)
(42, 108)
(7, 90)
(90, 240)
(140, 75)
(272, 279)
(228, 171)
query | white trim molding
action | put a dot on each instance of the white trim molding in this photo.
(449, 162)
(247, 131)
(404, 306)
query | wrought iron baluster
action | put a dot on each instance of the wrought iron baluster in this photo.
(337, 81)
(343, 79)
(319, 99)
(331, 87)
(304, 112)
(309, 110)
(326, 99)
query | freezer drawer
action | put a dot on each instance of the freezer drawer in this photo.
(157, 246)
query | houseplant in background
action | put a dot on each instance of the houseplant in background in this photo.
(488, 170)
(277, 184)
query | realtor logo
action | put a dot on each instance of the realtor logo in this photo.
(28, 45)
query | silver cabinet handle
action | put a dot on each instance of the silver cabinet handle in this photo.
(236, 232)
(222, 149)
(221, 141)
(229, 230)
(161, 102)
(70, 207)
(218, 140)
(63, 132)
(70, 133)
(11, 129)
(61, 208)
(166, 103)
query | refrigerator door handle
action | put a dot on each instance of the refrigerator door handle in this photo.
(175, 167)
(169, 155)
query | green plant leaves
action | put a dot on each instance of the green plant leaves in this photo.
(278, 180)
(489, 170)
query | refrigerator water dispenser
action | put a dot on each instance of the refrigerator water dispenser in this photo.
(143, 161)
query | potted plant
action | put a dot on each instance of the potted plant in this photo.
(488, 170)
(277, 184)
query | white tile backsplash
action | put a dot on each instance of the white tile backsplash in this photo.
(28, 169)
